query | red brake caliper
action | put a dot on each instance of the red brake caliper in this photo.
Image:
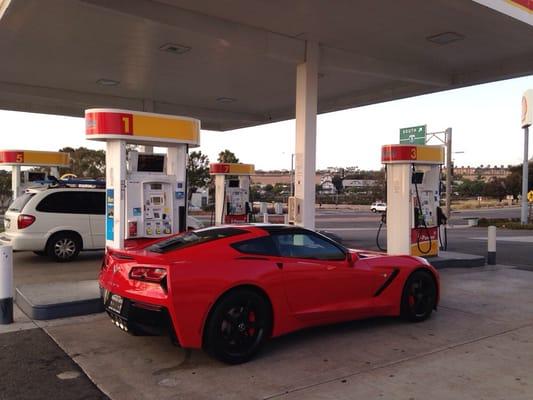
(251, 318)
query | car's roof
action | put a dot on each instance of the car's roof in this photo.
(40, 189)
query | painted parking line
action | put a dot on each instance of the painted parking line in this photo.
(521, 239)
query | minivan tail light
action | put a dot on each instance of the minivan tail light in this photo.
(25, 220)
(147, 274)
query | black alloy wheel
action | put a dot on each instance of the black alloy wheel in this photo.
(419, 296)
(238, 326)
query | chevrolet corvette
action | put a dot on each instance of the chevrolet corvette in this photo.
(228, 289)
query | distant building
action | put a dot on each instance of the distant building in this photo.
(485, 173)
(358, 183)
(327, 186)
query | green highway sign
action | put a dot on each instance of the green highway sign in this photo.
(413, 135)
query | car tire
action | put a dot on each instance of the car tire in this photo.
(419, 296)
(40, 253)
(373, 210)
(238, 326)
(63, 246)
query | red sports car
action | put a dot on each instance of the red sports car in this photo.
(227, 289)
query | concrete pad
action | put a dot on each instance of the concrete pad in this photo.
(44, 301)
(451, 259)
(470, 345)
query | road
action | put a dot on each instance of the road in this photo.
(359, 228)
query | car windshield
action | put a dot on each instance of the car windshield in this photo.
(19, 203)
(192, 238)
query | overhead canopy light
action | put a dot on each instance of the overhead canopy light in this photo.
(445, 38)
(107, 82)
(226, 99)
(175, 48)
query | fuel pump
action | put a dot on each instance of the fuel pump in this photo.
(413, 196)
(232, 192)
(145, 192)
(17, 159)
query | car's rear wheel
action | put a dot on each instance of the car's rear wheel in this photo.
(238, 326)
(63, 246)
(373, 210)
(419, 296)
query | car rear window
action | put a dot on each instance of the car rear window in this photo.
(193, 238)
(19, 203)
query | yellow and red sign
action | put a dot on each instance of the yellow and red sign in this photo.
(425, 241)
(524, 4)
(34, 158)
(413, 154)
(141, 127)
(231, 169)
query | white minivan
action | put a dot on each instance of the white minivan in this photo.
(59, 222)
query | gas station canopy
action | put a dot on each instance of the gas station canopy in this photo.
(232, 63)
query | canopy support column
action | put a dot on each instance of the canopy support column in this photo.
(305, 147)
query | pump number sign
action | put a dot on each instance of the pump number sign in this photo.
(413, 135)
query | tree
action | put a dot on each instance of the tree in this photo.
(197, 171)
(227, 156)
(84, 162)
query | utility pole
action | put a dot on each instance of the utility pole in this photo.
(524, 210)
(448, 140)
(527, 120)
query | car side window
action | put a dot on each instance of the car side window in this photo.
(75, 202)
(304, 245)
(259, 246)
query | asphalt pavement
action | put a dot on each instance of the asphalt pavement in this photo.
(33, 366)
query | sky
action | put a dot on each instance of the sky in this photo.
(485, 120)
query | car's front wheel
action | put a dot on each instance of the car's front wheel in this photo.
(419, 296)
(63, 246)
(238, 326)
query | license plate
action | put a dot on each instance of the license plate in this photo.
(115, 303)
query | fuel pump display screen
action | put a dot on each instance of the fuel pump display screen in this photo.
(151, 163)
(157, 200)
(36, 176)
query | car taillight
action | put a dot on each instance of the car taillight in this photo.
(148, 274)
(24, 220)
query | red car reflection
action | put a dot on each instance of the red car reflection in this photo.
(228, 289)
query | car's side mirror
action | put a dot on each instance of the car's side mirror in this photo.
(352, 259)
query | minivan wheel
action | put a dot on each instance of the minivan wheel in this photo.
(63, 247)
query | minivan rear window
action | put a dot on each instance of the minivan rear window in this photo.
(192, 238)
(19, 203)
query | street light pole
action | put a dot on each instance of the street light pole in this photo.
(448, 139)
(292, 174)
(524, 210)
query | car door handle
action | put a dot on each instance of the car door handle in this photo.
(331, 267)
(279, 265)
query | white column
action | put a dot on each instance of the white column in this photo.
(177, 166)
(220, 198)
(54, 171)
(305, 148)
(399, 209)
(116, 180)
(15, 181)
